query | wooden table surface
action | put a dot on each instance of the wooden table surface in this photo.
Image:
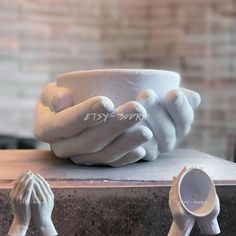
(64, 173)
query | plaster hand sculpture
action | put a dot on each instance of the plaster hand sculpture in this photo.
(32, 196)
(195, 192)
(67, 115)
(20, 202)
(183, 222)
(209, 223)
(42, 206)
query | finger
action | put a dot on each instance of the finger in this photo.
(39, 192)
(35, 197)
(28, 192)
(131, 157)
(70, 122)
(46, 185)
(22, 174)
(147, 98)
(216, 210)
(24, 189)
(57, 98)
(13, 190)
(42, 187)
(96, 138)
(151, 149)
(193, 98)
(180, 111)
(181, 173)
(128, 141)
(162, 126)
(176, 180)
(21, 180)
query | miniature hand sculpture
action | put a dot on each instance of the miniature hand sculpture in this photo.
(20, 202)
(32, 196)
(183, 222)
(42, 206)
(115, 142)
(209, 223)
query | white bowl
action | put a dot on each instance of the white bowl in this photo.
(197, 192)
(120, 85)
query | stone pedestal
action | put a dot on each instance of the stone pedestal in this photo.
(131, 200)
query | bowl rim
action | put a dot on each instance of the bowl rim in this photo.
(180, 197)
(73, 74)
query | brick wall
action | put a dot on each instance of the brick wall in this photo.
(42, 38)
(198, 39)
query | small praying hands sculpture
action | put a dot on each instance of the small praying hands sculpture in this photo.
(31, 196)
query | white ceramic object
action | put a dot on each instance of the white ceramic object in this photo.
(198, 197)
(119, 85)
(197, 192)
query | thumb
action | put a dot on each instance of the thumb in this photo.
(61, 100)
(57, 98)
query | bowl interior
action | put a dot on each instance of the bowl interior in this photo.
(197, 192)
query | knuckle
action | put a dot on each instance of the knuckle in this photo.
(168, 139)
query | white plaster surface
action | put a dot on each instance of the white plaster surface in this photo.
(120, 85)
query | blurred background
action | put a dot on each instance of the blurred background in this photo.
(40, 39)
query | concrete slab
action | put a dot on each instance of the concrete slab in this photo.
(131, 200)
(64, 173)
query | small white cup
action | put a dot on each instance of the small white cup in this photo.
(119, 85)
(198, 196)
(197, 192)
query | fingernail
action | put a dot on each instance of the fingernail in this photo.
(103, 103)
(99, 105)
(178, 99)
